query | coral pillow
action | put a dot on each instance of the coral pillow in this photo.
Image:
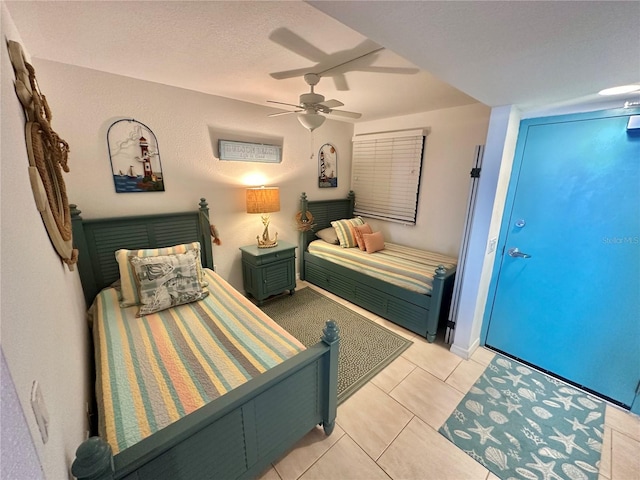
(373, 241)
(358, 231)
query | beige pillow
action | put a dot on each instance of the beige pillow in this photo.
(345, 234)
(167, 281)
(329, 235)
(358, 231)
(373, 241)
(128, 289)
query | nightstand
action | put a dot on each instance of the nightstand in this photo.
(269, 271)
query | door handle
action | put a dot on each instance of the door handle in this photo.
(514, 252)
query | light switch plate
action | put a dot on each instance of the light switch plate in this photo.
(492, 245)
(40, 411)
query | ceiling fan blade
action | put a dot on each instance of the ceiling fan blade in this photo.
(299, 72)
(332, 103)
(283, 103)
(340, 81)
(292, 41)
(400, 70)
(283, 113)
(371, 54)
(344, 113)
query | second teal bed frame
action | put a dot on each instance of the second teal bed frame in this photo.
(419, 313)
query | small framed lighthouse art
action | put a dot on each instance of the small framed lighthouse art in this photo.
(135, 158)
(327, 166)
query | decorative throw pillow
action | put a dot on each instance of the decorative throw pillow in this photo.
(345, 234)
(329, 235)
(358, 231)
(373, 241)
(167, 281)
(128, 289)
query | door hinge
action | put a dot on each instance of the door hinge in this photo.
(451, 325)
(475, 172)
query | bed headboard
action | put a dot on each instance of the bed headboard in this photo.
(97, 240)
(324, 212)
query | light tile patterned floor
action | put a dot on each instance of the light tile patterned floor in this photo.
(389, 428)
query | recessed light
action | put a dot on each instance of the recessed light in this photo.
(619, 90)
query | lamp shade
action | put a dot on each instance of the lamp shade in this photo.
(310, 120)
(263, 200)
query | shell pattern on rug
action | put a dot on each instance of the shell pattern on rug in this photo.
(522, 424)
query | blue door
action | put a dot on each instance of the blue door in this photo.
(567, 294)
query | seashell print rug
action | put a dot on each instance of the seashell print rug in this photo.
(522, 424)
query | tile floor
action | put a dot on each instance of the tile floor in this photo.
(389, 428)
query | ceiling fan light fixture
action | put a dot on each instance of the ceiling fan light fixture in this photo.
(311, 120)
(622, 89)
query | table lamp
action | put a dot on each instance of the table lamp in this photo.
(264, 200)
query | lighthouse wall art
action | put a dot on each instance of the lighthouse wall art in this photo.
(327, 166)
(135, 157)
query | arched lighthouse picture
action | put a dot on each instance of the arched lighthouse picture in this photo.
(327, 166)
(135, 158)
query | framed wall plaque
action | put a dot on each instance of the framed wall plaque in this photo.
(327, 166)
(249, 152)
(134, 156)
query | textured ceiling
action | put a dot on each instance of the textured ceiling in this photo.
(524, 53)
(225, 48)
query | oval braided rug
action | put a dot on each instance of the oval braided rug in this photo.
(365, 347)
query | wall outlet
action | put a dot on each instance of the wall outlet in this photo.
(40, 411)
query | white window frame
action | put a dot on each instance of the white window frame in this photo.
(385, 174)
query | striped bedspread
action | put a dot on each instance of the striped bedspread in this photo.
(153, 370)
(405, 267)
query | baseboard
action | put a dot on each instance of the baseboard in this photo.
(465, 352)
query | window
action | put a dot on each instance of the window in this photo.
(385, 174)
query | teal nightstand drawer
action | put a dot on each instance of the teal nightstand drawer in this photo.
(265, 258)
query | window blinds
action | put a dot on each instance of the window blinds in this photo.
(385, 174)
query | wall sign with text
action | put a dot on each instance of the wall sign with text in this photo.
(249, 152)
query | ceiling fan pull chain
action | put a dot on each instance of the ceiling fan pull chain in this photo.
(311, 144)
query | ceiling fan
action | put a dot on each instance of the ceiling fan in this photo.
(312, 105)
(359, 58)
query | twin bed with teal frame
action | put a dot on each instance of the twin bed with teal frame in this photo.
(241, 432)
(417, 312)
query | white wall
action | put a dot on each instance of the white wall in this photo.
(188, 125)
(492, 192)
(448, 159)
(18, 457)
(44, 334)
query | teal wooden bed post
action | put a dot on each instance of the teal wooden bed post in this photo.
(302, 239)
(352, 202)
(436, 302)
(330, 336)
(94, 460)
(207, 248)
(84, 262)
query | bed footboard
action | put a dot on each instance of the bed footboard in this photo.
(237, 435)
